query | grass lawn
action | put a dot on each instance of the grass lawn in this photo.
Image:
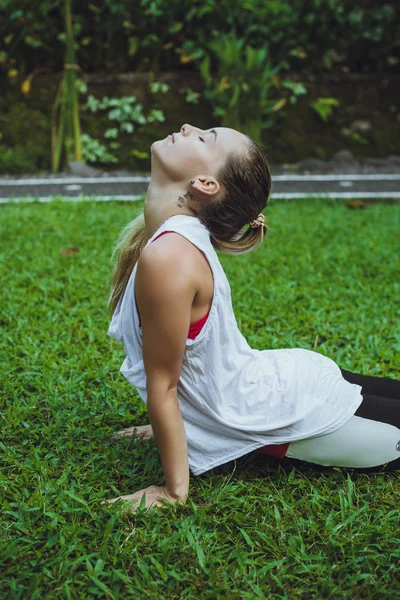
(327, 279)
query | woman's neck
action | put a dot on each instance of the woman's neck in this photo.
(161, 205)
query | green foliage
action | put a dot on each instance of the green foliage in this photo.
(15, 160)
(324, 107)
(157, 86)
(154, 35)
(357, 137)
(95, 152)
(245, 89)
(191, 96)
(126, 113)
(231, 43)
(256, 527)
(20, 152)
(296, 88)
(240, 90)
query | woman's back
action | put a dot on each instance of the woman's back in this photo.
(235, 399)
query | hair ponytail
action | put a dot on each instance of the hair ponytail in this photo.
(129, 245)
(245, 179)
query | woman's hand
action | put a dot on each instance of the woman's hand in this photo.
(142, 431)
(155, 496)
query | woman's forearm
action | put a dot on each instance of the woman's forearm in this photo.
(169, 433)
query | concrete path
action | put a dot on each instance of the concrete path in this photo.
(332, 185)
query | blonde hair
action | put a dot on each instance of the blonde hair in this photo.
(245, 180)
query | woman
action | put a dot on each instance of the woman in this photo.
(210, 397)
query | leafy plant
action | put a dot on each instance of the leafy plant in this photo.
(324, 107)
(246, 90)
(296, 88)
(126, 114)
(94, 151)
(356, 137)
(240, 90)
(191, 96)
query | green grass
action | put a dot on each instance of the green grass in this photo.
(258, 527)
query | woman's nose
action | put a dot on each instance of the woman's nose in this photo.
(186, 129)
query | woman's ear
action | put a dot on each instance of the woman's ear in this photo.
(205, 184)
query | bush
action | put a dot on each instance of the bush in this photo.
(157, 35)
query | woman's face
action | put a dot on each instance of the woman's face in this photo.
(193, 151)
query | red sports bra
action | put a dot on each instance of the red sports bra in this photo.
(194, 330)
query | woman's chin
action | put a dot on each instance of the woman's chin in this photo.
(163, 141)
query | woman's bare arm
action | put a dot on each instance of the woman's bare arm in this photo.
(165, 287)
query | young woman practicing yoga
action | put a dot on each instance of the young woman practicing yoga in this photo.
(210, 397)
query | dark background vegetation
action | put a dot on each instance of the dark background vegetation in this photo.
(339, 49)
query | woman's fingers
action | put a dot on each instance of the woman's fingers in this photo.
(129, 497)
(128, 432)
(142, 431)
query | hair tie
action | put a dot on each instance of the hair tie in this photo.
(257, 222)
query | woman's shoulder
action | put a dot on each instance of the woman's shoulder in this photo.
(174, 253)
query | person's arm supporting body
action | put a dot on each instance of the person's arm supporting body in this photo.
(165, 287)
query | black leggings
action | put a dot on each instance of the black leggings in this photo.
(363, 440)
(381, 397)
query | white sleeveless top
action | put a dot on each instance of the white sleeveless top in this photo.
(233, 398)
